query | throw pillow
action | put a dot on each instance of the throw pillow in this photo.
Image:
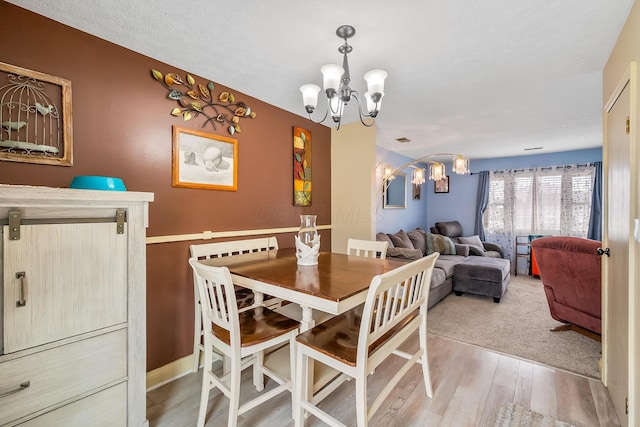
(404, 253)
(449, 228)
(382, 237)
(472, 241)
(401, 240)
(419, 239)
(439, 243)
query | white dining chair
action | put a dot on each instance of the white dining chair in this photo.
(217, 250)
(367, 248)
(356, 342)
(241, 335)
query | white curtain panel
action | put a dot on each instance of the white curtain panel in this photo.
(539, 201)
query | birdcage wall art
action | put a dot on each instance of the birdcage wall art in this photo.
(35, 117)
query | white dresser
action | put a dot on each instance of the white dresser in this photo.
(73, 315)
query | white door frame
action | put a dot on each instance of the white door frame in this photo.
(629, 78)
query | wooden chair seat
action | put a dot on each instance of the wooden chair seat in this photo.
(257, 325)
(338, 337)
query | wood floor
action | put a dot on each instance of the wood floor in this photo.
(470, 384)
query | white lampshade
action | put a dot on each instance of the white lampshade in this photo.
(436, 171)
(372, 105)
(310, 95)
(460, 165)
(375, 81)
(336, 107)
(331, 75)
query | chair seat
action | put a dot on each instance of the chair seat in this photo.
(258, 325)
(338, 337)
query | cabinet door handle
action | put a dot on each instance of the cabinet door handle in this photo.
(23, 300)
(23, 386)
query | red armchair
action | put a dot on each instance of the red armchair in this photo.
(570, 269)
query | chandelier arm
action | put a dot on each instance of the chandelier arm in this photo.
(362, 111)
(326, 113)
(339, 106)
(362, 114)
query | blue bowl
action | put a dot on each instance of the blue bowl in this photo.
(88, 182)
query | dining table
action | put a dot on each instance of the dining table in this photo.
(338, 283)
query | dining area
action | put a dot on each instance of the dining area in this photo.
(321, 373)
(318, 323)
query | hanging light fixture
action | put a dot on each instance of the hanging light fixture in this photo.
(460, 165)
(436, 171)
(336, 81)
(418, 176)
(388, 172)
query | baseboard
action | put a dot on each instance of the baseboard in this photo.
(169, 372)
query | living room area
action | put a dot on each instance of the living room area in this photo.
(520, 323)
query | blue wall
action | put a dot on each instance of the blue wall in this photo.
(415, 214)
(460, 203)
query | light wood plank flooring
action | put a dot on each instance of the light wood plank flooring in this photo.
(470, 384)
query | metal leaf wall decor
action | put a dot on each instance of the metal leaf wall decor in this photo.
(195, 99)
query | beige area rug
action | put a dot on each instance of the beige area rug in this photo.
(519, 325)
(512, 415)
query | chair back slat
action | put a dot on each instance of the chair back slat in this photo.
(392, 297)
(217, 297)
(234, 247)
(367, 248)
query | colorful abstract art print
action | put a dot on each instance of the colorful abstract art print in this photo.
(301, 167)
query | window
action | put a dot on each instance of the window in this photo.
(554, 200)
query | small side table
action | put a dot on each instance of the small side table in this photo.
(523, 242)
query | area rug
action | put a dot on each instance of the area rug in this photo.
(512, 415)
(519, 326)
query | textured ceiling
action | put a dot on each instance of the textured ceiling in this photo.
(485, 78)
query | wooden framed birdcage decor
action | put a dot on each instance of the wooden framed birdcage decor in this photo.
(35, 117)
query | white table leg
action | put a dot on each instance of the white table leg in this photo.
(258, 378)
(258, 298)
(307, 321)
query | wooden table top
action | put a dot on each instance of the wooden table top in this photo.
(336, 277)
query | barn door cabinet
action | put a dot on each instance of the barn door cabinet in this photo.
(73, 316)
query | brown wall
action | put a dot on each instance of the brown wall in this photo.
(122, 127)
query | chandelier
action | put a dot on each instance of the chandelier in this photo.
(336, 81)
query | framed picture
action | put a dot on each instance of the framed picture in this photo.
(35, 117)
(416, 191)
(301, 167)
(442, 186)
(204, 160)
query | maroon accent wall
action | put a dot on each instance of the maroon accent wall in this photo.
(122, 128)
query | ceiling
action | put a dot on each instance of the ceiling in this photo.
(484, 78)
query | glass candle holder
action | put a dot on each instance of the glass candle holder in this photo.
(308, 230)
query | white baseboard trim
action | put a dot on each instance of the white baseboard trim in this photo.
(169, 372)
